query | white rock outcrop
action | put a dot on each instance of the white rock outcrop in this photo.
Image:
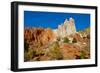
(67, 28)
(70, 28)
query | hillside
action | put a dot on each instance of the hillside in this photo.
(41, 44)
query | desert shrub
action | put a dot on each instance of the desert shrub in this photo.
(82, 55)
(54, 51)
(40, 52)
(66, 40)
(29, 55)
(87, 48)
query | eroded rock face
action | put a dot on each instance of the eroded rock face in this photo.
(70, 51)
(48, 36)
(77, 37)
(27, 35)
(37, 37)
(67, 28)
(73, 52)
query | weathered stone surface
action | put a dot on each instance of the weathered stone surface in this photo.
(70, 51)
(37, 37)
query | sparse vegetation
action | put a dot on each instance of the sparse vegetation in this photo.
(82, 55)
(54, 51)
(65, 40)
(29, 55)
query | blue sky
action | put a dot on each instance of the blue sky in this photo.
(53, 19)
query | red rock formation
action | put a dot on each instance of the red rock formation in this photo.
(70, 51)
(27, 35)
(47, 36)
(77, 37)
(37, 37)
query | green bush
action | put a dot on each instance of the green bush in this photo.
(82, 55)
(40, 52)
(54, 51)
(29, 55)
(65, 40)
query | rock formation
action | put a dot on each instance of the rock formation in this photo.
(71, 29)
(67, 28)
(37, 37)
